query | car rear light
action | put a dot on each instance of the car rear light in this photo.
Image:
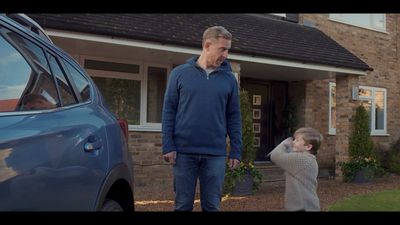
(123, 123)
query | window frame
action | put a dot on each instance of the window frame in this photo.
(142, 76)
(62, 66)
(340, 19)
(331, 130)
(371, 98)
(279, 14)
(144, 91)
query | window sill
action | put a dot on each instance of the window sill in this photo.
(144, 128)
(383, 135)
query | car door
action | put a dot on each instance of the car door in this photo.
(53, 157)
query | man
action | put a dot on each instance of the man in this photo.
(201, 107)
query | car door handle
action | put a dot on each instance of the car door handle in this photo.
(92, 145)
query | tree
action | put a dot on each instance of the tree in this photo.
(233, 177)
(362, 152)
(360, 143)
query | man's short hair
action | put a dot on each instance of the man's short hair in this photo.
(216, 32)
(310, 136)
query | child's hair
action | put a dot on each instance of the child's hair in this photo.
(310, 136)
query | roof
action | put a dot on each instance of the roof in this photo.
(253, 35)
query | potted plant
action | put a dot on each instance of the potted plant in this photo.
(245, 179)
(363, 163)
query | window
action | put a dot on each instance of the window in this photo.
(279, 14)
(80, 82)
(25, 76)
(14, 76)
(374, 100)
(369, 21)
(122, 97)
(66, 92)
(133, 90)
(156, 85)
(332, 108)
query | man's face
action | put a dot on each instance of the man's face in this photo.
(217, 51)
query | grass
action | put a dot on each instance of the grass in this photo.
(378, 201)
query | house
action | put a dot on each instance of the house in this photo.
(320, 67)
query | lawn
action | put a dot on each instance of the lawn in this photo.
(378, 201)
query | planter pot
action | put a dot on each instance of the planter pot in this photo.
(364, 175)
(244, 187)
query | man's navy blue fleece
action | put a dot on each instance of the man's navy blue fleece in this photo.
(200, 111)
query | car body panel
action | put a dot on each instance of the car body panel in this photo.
(61, 159)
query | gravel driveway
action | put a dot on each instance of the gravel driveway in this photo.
(268, 198)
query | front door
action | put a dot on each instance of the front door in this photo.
(260, 93)
(268, 99)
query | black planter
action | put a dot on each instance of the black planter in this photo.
(244, 187)
(364, 175)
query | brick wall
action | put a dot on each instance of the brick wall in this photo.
(312, 104)
(380, 51)
(317, 116)
(148, 165)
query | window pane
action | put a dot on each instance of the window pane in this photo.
(376, 21)
(367, 105)
(31, 49)
(14, 75)
(364, 92)
(111, 66)
(66, 92)
(157, 80)
(122, 97)
(333, 107)
(359, 19)
(379, 110)
(80, 82)
(39, 90)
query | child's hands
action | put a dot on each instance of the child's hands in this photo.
(288, 142)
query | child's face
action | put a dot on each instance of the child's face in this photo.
(299, 145)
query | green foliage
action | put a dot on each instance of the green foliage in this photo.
(361, 144)
(361, 149)
(357, 164)
(248, 151)
(394, 157)
(290, 120)
(238, 174)
(246, 111)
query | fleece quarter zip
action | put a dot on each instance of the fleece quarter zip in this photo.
(201, 110)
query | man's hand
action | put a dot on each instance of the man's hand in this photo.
(233, 163)
(170, 157)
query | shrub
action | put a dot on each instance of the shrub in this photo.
(393, 161)
(248, 151)
(361, 149)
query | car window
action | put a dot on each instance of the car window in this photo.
(35, 52)
(35, 86)
(81, 83)
(66, 92)
(14, 76)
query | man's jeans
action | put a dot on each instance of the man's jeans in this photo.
(211, 172)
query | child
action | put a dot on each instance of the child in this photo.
(297, 158)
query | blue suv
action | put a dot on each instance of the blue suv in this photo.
(61, 149)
